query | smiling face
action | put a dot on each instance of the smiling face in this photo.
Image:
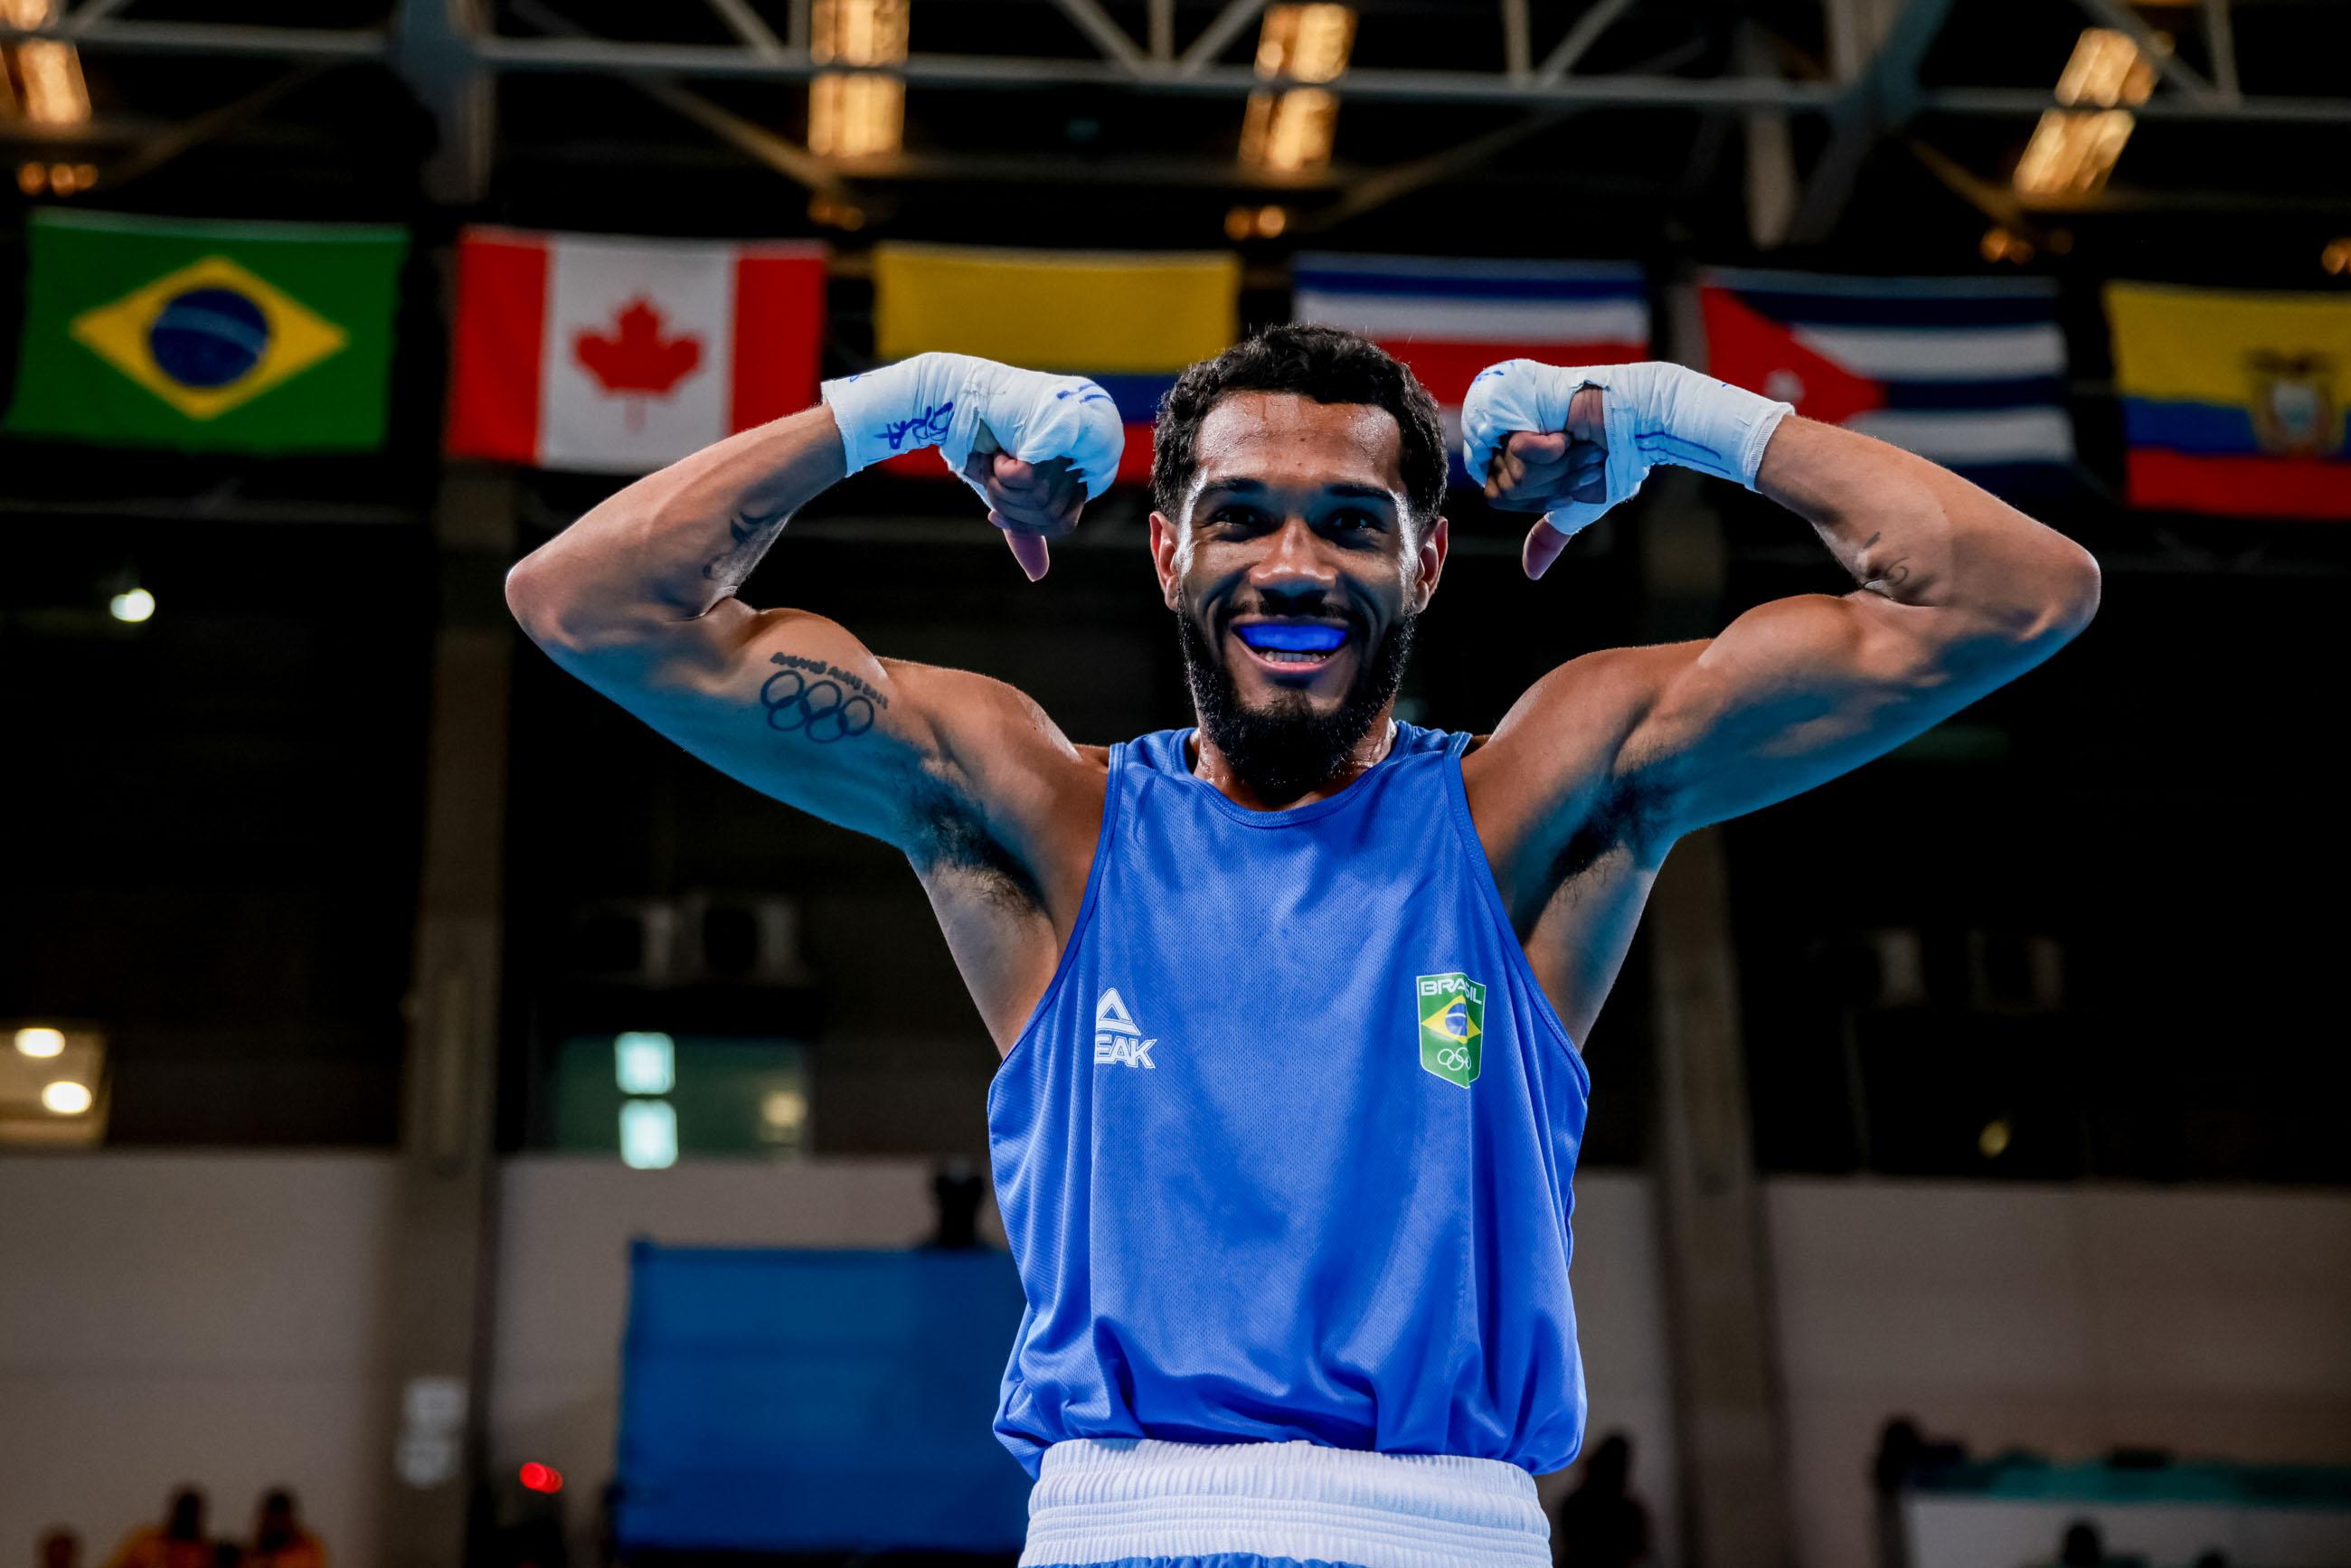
(1296, 571)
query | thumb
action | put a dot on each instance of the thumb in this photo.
(1543, 545)
(1030, 550)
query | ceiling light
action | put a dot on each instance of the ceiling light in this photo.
(857, 114)
(39, 1041)
(2074, 150)
(66, 1097)
(1290, 131)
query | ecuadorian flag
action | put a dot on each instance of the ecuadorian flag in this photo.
(2234, 404)
(1130, 321)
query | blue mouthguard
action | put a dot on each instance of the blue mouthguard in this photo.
(1294, 639)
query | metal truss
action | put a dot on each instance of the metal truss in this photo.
(1869, 91)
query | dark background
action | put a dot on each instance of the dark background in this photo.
(2121, 873)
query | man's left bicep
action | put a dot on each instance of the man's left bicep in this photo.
(1799, 690)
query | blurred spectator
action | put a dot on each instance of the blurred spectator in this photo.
(957, 1190)
(1601, 1525)
(2083, 1548)
(1898, 1445)
(278, 1539)
(60, 1548)
(178, 1542)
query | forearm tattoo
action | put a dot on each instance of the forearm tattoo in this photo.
(817, 701)
(753, 533)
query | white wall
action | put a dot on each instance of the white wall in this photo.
(1620, 1311)
(2065, 1318)
(213, 1318)
(209, 1318)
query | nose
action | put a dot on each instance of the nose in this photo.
(1295, 562)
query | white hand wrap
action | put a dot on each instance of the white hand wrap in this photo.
(948, 400)
(1651, 412)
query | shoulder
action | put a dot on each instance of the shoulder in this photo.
(1007, 794)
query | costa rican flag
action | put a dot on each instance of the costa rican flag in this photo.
(1968, 372)
(1449, 318)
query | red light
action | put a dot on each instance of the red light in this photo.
(536, 1477)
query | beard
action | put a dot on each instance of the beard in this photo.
(1286, 747)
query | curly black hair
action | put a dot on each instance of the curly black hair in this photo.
(1327, 364)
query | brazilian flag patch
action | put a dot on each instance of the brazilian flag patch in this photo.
(1452, 1026)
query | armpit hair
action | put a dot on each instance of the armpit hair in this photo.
(1629, 813)
(951, 837)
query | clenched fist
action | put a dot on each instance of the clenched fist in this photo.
(1035, 447)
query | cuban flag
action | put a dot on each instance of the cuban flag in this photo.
(1449, 318)
(1968, 372)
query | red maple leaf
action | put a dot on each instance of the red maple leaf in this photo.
(634, 357)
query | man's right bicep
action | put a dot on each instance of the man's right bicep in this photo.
(792, 704)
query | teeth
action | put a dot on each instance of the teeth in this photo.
(1291, 656)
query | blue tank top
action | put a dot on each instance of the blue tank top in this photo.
(1284, 1151)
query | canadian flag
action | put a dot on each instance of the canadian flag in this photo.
(618, 355)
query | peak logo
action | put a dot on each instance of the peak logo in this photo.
(1117, 1038)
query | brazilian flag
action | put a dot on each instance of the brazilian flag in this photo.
(207, 336)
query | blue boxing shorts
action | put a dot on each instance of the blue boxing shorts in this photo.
(1137, 1502)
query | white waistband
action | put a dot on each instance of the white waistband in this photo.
(1102, 1500)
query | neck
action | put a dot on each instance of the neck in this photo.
(1211, 765)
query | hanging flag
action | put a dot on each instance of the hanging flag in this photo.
(1449, 318)
(2234, 403)
(1130, 321)
(1969, 373)
(619, 356)
(207, 336)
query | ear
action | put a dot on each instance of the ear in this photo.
(1434, 546)
(1163, 559)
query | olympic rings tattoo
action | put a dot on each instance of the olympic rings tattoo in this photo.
(820, 709)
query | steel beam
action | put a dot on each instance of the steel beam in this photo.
(194, 39)
(432, 51)
(1222, 30)
(1880, 101)
(161, 148)
(2221, 37)
(781, 153)
(1518, 40)
(2012, 103)
(1193, 72)
(1106, 35)
(1578, 41)
(746, 24)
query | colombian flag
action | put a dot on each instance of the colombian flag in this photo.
(2234, 404)
(1130, 321)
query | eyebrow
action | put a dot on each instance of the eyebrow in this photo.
(1347, 487)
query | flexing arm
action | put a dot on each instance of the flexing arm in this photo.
(638, 600)
(1959, 593)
